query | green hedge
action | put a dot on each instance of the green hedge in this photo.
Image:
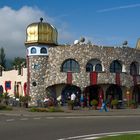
(50, 109)
(4, 107)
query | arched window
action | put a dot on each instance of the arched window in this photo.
(94, 65)
(115, 67)
(98, 68)
(43, 50)
(89, 67)
(134, 68)
(33, 50)
(70, 65)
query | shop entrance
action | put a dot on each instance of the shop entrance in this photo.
(68, 90)
(94, 92)
(114, 92)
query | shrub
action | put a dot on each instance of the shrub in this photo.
(4, 107)
(70, 104)
(50, 109)
(94, 102)
(38, 109)
(133, 102)
(54, 109)
(114, 103)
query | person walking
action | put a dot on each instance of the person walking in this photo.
(73, 98)
(103, 107)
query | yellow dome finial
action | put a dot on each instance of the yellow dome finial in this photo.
(41, 33)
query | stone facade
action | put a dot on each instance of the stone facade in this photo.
(49, 71)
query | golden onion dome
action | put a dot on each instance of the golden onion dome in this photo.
(41, 33)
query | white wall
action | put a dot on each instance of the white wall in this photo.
(13, 76)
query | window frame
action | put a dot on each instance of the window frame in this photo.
(70, 65)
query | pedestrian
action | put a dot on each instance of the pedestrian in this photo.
(73, 98)
(103, 107)
(82, 100)
(46, 101)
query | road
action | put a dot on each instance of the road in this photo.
(53, 128)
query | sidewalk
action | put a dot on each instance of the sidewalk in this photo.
(66, 113)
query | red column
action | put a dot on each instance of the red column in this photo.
(28, 76)
(93, 78)
(25, 89)
(69, 77)
(118, 81)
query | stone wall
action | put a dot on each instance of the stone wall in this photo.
(49, 72)
(82, 54)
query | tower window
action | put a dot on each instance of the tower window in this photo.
(36, 66)
(43, 50)
(33, 50)
(34, 84)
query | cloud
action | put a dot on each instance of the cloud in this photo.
(118, 8)
(64, 35)
(13, 28)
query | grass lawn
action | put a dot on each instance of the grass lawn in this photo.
(122, 137)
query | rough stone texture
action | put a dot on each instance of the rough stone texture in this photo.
(82, 54)
(50, 73)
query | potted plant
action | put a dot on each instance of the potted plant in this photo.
(70, 104)
(25, 99)
(133, 104)
(94, 103)
(114, 103)
(6, 97)
(1, 98)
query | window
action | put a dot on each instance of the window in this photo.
(34, 84)
(134, 69)
(115, 67)
(94, 65)
(33, 50)
(70, 65)
(89, 67)
(7, 85)
(36, 66)
(98, 68)
(43, 50)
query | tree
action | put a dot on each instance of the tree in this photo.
(2, 58)
(18, 62)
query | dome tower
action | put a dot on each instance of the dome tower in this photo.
(39, 37)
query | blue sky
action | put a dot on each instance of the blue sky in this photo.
(103, 22)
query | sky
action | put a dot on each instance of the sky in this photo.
(103, 22)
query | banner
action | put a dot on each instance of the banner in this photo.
(118, 81)
(25, 88)
(93, 78)
(69, 77)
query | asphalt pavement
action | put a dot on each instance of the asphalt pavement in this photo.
(17, 111)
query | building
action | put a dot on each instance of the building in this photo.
(13, 82)
(97, 72)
